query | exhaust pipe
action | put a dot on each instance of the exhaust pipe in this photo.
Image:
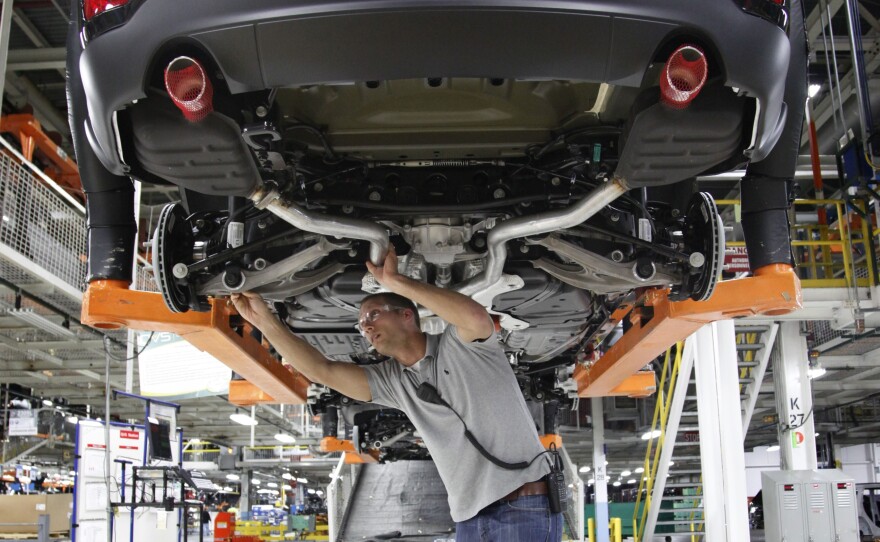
(683, 76)
(524, 226)
(189, 87)
(351, 228)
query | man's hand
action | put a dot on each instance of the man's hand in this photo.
(346, 378)
(253, 309)
(386, 275)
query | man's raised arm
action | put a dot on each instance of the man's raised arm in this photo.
(468, 316)
(346, 378)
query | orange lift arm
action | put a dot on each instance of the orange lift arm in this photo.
(352, 456)
(63, 169)
(658, 323)
(110, 304)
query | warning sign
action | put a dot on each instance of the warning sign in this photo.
(736, 260)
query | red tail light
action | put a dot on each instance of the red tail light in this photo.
(683, 76)
(189, 87)
(92, 8)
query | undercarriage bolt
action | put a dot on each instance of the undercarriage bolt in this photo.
(617, 256)
(644, 269)
(262, 111)
(179, 270)
(615, 217)
(260, 264)
(318, 187)
(375, 196)
(696, 259)
(498, 193)
(554, 181)
(352, 252)
(233, 279)
(347, 209)
(262, 225)
(524, 249)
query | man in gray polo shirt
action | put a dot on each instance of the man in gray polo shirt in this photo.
(470, 371)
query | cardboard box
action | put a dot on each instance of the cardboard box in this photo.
(26, 509)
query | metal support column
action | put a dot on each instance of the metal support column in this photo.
(244, 501)
(721, 439)
(5, 29)
(600, 479)
(794, 399)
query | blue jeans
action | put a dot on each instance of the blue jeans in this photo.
(526, 519)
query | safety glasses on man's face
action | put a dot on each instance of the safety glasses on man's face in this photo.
(373, 315)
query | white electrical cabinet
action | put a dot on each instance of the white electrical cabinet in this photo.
(809, 506)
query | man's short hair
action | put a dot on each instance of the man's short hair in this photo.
(395, 300)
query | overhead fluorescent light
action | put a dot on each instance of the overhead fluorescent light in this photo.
(256, 481)
(302, 481)
(272, 484)
(287, 476)
(591, 481)
(625, 473)
(286, 438)
(773, 448)
(639, 470)
(227, 489)
(648, 435)
(48, 403)
(816, 370)
(31, 318)
(72, 419)
(311, 492)
(585, 469)
(631, 481)
(813, 89)
(233, 477)
(243, 419)
(616, 483)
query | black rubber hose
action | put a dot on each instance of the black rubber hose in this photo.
(330, 422)
(766, 186)
(109, 198)
(551, 413)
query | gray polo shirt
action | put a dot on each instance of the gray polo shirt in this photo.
(478, 382)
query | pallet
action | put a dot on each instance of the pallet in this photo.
(32, 536)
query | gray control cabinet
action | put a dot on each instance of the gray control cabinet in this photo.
(809, 506)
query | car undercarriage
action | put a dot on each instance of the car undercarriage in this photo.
(551, 200)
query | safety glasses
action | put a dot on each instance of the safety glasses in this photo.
(373, 315)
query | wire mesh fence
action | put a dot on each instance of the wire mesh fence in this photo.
(42, 238)
(41, 226)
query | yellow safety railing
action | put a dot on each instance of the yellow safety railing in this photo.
(824, 253)
(661, 415)
(615, 529)
(748, 356)
(697, 527)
